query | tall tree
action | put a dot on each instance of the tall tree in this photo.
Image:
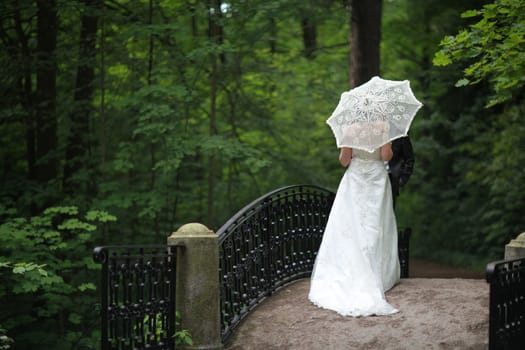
(18, 50)
(46, 121)
(215, 35)
(77, 147)
(309, 29)
(365, 37)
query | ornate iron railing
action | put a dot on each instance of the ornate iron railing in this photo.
(270, 242)
(403, 243)
(507, 304)
(137, 297)
(273, 241)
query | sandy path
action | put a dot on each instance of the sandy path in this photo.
(436, 313)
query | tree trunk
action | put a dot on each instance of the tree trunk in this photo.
(215, 35)
(19, 51)
(309, 37)
(102, 109)
(150, 82)
(46, 122)
(365, 38)
(193, 11)
(77, 148)
(153, 148)
(273, 36)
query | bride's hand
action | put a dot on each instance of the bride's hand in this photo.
(386, 152)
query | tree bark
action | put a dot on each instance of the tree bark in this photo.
(273, 36)
(46, 122)
(309, 37)
(215, 35)
(77, 147)
(19, 51)
(365, 38)
(102, 108)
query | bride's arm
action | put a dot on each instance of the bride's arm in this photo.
(386, 152)
(345, 156)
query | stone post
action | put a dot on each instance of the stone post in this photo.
(516, 248)
(197, 284)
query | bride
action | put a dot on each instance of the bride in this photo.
(357, 260)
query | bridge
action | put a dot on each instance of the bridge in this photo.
(265, 256)
(434, 314)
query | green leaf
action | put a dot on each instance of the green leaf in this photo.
(470, 13)
(462, 82)
(75, 224)
(441, 59)
(75, 318)
(100, 215)
(87, 286)
(51, 234)
(26, 286)
(19, 270)
(70, 210)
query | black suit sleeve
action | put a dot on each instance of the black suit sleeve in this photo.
(408, 160)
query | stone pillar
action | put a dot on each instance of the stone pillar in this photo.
(197, 284)
(516, 248)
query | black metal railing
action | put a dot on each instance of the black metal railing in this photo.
(137, 297)
(270, 242)
(507, 304)
(273, 241)
(403, 243)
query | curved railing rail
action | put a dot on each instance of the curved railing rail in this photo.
(270, 242)
(507, 304)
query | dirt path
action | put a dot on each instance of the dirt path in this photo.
(437, 312)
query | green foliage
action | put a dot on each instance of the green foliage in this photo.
(492, 49)
(20, 268)
(47, 277)
(465, 153)
(149, 136)
(160, 77)
(450, 201)
(182, 336)
(5, 341)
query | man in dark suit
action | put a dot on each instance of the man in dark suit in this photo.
(401, 165)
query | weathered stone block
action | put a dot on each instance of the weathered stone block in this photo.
(197, 284)
(516, 248)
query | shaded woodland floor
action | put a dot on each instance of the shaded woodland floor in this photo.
(420, 268)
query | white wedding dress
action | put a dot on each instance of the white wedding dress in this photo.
(358, 257)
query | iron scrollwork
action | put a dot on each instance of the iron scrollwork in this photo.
(271, 242)
(137, 296)
(507, 304)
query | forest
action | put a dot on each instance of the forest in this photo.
(121, 120)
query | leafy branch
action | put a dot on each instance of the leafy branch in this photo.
(493, 49)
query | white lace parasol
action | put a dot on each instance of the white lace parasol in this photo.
(374, 114)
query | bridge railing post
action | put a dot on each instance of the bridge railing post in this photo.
(197, 284)
(515, 248)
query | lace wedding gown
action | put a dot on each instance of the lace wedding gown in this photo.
(358, 257)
